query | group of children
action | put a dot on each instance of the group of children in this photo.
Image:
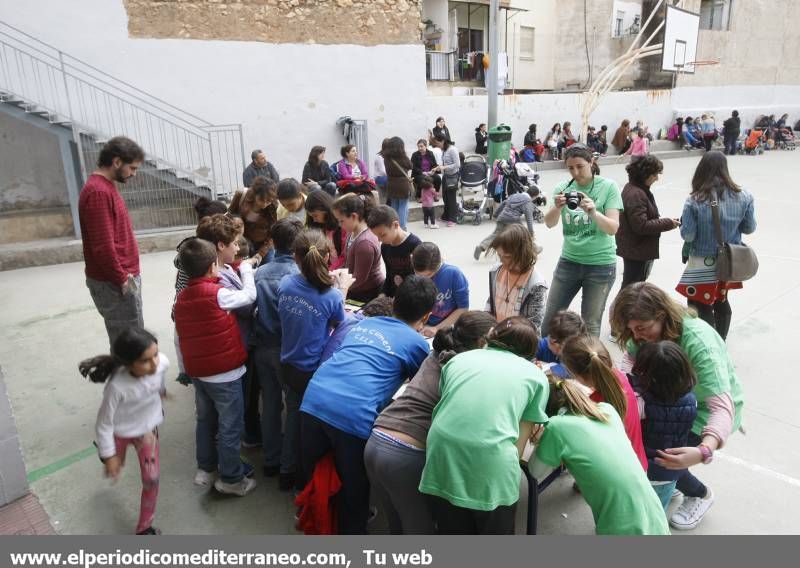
(267, 298)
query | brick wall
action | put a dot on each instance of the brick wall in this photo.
(361, 22)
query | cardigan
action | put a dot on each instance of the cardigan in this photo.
(640, 225)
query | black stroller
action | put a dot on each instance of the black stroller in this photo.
(472, 190)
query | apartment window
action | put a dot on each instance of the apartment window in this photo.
(526, 39)
(715, 14)
(618, 23)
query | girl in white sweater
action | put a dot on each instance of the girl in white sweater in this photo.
(131, 411)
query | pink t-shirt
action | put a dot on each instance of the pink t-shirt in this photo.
(638, 147)
(632, 421)
(428, 197)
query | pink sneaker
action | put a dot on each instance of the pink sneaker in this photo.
(450, 224)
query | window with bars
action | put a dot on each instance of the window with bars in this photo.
(526, 42)
(715, 15)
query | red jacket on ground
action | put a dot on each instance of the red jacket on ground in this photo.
(209, 336)
(109, 246)
(319, 515)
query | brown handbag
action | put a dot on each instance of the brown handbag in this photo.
(735, 263)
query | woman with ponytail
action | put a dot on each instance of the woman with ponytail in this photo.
(490, 400)
(395, 451)
(131, 411)
(589, 439)
(587, 359)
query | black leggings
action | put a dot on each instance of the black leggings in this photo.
(717, 315)
(451, 519)
(635, 271)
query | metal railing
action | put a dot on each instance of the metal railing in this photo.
(440, 65)
(186, 155)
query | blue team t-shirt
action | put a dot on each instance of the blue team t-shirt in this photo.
(352, 387)
(307, 316)
(453, 293)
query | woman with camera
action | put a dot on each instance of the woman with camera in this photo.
(640, 225)
(588, 207)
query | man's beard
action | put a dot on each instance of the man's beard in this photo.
(118, 176)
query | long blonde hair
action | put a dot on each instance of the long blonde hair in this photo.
(564, 393)
(586, 356)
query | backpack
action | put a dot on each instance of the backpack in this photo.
(528, 155)
(334, 168)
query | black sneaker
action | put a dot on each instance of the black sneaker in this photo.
(149, 531)
(286, 481)
(270, 470)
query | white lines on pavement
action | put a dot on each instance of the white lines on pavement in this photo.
(760, 469)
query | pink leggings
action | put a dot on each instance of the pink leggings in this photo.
(147, 450)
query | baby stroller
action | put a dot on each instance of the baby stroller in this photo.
(522, 177)
(785, 139)
(472, 190)
(754, 143)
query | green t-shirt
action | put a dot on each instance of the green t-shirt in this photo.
(472, 458)
(600, 458)
(584, 242)
(715, 372)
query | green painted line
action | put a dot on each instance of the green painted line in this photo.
(38, 474)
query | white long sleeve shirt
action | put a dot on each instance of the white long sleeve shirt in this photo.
(131, 406)
(230, 299)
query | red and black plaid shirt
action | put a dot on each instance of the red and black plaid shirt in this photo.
(109, 246)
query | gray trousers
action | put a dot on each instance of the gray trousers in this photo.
(498, 228)
(119, 311)
(394, 473)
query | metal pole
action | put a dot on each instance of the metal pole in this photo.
(493, 63)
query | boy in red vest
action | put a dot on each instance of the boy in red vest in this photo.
(215, 355)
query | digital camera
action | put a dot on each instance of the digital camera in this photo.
(574, 199)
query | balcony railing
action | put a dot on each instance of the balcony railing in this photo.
(440, 65)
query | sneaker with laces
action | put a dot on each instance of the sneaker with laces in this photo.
(427, 225)
(691, 511)
(676, 494)
(204, 478)
(434, 226)
(240, 488)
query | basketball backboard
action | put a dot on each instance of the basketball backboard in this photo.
(681, 30)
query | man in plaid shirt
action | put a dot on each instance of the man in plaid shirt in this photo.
(109, 245)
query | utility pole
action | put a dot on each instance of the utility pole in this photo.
(494, 56)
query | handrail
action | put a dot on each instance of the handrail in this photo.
(78, 61)
(100, 105)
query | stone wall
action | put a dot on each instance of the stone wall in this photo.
(359, 22)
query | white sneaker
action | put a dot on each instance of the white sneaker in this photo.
(676, 494)
(691, 511)
(204, 478)
(242, 488)
(427, 225)
(434, 226)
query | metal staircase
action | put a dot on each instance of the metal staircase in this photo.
(186, 156)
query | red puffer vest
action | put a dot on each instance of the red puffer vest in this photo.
(209, 336)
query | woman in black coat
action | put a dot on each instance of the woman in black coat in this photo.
(481, 139)
(317, 173)
(422, 163)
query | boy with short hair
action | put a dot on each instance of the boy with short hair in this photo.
(215, 355)
(292, 200)
(280, 452)
(509, 212)
(346, 393)
(396, 246)
(380, 306)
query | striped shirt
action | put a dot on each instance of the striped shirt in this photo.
(737, 217)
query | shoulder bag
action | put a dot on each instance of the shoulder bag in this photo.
(735, 263)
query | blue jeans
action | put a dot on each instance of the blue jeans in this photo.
(220, 420)
(595, 283)
(664, 492)
(279, 449)
(401, 206)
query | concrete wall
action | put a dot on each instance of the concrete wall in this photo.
(760, 48)
(34, 202)
(13, 478)
(656, 108)
(288, 96)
